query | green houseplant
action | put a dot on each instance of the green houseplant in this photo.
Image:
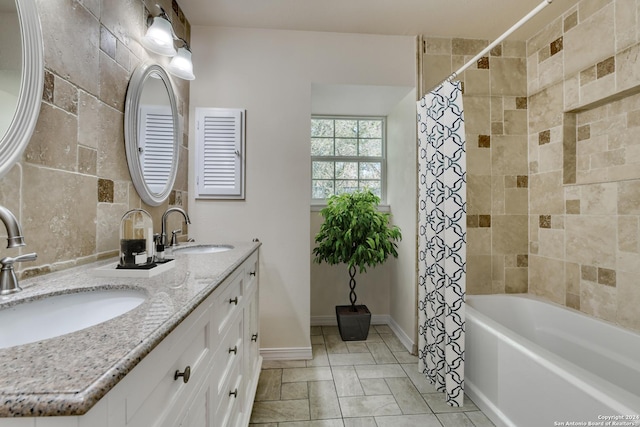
(355, 233)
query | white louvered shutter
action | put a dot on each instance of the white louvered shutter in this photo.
(220, 153)
(156, 145)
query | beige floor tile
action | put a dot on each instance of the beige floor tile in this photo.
(380, 371)
(323, 400)
(381, 353)
(374, 386)
(335, 345)
(383, 329)
(419, 380)
(314, 423)
(407, 396)
(425, 420)
(346, 381)
(479, 419)
(280, 410)
(357, 347)
(330, 330)
(291, 391)
(296, 375)
(316, 330)
(320, 358)
(373, 337)
(351, 359)
(274, 364)
(392, 342)
(264, 425)
(438, 404)
(360, 422)
(368, 406)
(269, 385)
(317, 339)
(405, 357)
(455, 419)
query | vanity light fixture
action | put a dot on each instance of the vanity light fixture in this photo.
(160, 39)
(181, 65)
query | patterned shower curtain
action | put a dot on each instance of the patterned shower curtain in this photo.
(442, 239)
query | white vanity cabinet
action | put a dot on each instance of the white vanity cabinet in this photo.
(204, 373)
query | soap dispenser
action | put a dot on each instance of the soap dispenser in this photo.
(136, 240)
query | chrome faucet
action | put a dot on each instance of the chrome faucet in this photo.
(8, 279)
(163, 234)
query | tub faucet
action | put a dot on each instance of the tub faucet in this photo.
(8, 279)
(163, 234)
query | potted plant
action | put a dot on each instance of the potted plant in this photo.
(355, 233)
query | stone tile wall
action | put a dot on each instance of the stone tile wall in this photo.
(72, 185)
(495, 103)
(584, 160)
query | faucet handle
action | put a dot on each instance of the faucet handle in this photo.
(8, 279)
(174, 237)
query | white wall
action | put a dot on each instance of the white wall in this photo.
(270, 74)
(402, 197)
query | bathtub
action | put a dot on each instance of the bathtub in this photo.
(531, 363)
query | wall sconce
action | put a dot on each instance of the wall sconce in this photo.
(160, 39)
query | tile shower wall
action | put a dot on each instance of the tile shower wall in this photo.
(72, 185)
(495, 101)
(584, 160)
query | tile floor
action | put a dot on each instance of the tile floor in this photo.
(372, 383)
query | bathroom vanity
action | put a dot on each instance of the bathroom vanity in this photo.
(187, 356)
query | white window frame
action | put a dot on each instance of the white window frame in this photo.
(382, 159)
(220, 157)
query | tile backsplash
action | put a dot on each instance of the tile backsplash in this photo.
(72, 185)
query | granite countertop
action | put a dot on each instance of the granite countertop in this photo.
(67, 375)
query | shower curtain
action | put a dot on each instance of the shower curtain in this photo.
(442, 239)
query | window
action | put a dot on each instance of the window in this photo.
(220, 153)
(347, 154)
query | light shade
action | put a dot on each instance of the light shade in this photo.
(159, 37)
(181, 65)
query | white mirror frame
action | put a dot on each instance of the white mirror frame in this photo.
(18, 135)
(131, 123)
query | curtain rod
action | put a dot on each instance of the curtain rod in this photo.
(497, 41)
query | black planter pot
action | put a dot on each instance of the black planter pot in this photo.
(353, 324)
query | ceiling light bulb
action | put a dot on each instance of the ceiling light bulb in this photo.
(159, 37)
(181, 65)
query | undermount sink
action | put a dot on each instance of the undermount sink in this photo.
(202, 249)
(57, 315)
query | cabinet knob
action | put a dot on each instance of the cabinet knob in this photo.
(233, 350)
(233, 300)
(234, 393)
(185, 375)
(254, 337)
(253, 273)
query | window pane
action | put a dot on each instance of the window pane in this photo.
(321, 189)
(344, 186)
(370, 170)
(346, 170)
(374, 186)
(370, 129)
(346, 147)
(371, 147)
(322, 127)
(322, 170)
(346, 128)
(322, 146)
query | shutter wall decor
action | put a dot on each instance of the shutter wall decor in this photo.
(220, 153)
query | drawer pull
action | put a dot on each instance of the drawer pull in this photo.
(233, 300)
(254, 337)
(185, 375)
(233, 350)
(253, 273)
(234, 393)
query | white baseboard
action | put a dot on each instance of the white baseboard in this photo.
(290, 353)
(376, 319)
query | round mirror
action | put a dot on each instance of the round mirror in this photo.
(151, 130)
(21, 77)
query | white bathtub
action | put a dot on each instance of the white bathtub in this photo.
(534, 363)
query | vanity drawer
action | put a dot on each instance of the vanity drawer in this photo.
(228, 354)
(251, 272)
(229, 301)
(156, 391)
(231, 397)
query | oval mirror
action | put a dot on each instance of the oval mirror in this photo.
(151, 130)
(21, 77)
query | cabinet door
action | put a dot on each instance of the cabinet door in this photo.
(199, 414)
(252, 335)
